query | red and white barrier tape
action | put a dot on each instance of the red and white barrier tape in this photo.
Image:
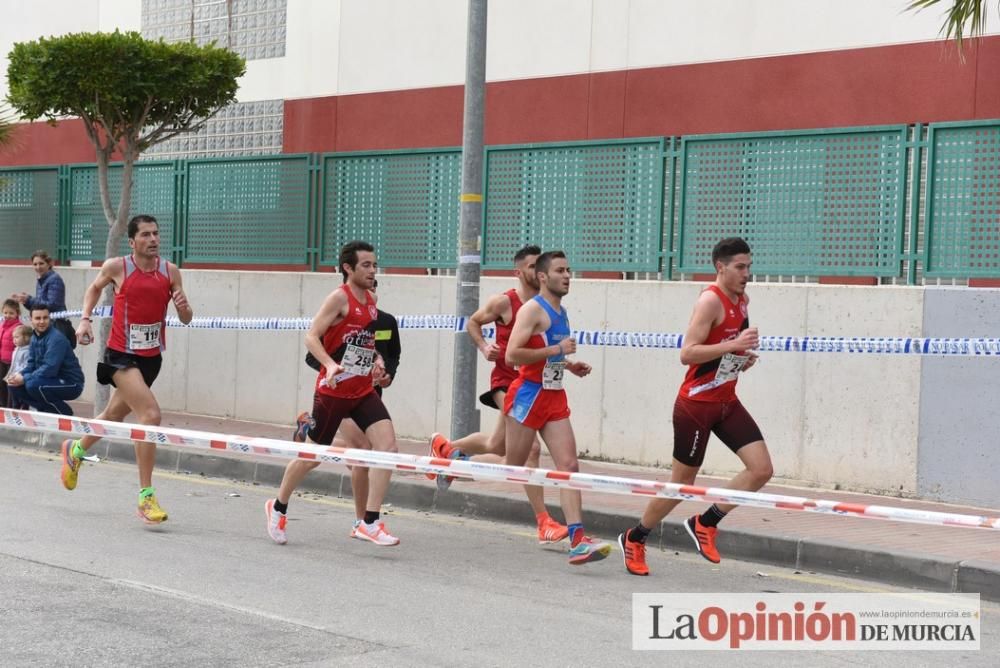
(246, 445)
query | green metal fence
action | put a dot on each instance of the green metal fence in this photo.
(153, 192)
(962, 237)
(29, 211)
(841, 202)
(600, 202)
(813, 203)
(403, 202)
(247, 210)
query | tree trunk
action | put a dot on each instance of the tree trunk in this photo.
(117, 222)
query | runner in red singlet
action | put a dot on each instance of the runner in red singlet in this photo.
(145, 284)
(342, 339)
(717, 347)
(502, 309)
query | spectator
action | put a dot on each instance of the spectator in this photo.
(50, 292)
(11, 320)
(52, 374)
(22, 347)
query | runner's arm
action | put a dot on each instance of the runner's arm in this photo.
(707, 310)
(110, 274)
(329, 313)
(184, 311)
(491, 311)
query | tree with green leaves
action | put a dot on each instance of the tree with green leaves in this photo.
(963, 18)
(131, 93)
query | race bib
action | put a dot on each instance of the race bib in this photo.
(144, 337)
(358, 361)
(552, 375)
(729, 367)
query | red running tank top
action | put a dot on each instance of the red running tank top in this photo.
(503, 334)
(715, 380)
(351, 343)
(138, 318)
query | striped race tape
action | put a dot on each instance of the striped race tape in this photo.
(244, 445)
(965, 346)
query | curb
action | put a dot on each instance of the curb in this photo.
(897, 567)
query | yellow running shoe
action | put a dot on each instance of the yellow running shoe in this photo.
(70, 465)
(150, 511)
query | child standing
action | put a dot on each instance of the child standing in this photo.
(11, 319)
(19, 360)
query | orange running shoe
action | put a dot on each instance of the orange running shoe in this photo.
(703, 537)
(550, 531)
(437, 444)
(634, 555)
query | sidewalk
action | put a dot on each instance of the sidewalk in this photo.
(930, 557)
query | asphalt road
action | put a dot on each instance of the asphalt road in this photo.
(84, 583)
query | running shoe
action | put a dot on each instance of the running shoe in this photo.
(303, 423)
(354, 530)
(444, 481)
(588, 550)
(150, 511)
(275, 523)
(634, 555)
(376, 533)
(550, 531)
(703, 537)
(437, 444)
(70, 465)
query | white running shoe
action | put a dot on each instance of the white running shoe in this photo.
(275, 523)
(376, 533)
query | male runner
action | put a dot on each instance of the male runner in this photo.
(536, 400)
(389, 348)
(718, 345)
(144, 285)
(502, 309)
(342, 338)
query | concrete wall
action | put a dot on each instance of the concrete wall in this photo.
(959, 448)
(829, 419)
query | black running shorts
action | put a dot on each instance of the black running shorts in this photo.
(328, 412)
(116, 360)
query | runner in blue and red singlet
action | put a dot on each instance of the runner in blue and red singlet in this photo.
(536, 401)
(501, 310)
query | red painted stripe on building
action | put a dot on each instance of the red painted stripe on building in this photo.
(848, 280)
(984, 282)
(923, 82)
